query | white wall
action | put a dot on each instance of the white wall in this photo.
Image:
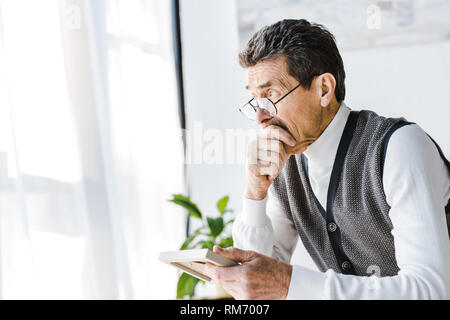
(409, 81)
(214, 83)
(399, 81)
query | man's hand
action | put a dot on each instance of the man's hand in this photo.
(256, 277)
(266, 157)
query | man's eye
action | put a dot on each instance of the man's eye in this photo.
(271, 94)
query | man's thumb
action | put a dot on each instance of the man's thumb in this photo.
(235, 254)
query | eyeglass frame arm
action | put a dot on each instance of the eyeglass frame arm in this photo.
(274, 103)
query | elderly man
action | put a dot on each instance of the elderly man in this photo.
(367, 195)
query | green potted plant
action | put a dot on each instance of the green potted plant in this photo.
(212, 232)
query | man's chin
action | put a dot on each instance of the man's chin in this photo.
(296, 149)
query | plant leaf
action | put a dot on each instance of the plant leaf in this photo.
(222, 205)
(197, 244)
(186, 285)
(229, 221)
(186, 203)
(226, 242)
(207, 244)
(215, 225)
(187, 242)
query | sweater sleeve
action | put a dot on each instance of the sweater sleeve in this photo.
(262, 226)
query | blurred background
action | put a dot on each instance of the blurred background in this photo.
(108, 107)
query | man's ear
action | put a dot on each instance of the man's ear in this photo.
(326, 83)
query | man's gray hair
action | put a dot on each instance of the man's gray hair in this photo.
(310, 50)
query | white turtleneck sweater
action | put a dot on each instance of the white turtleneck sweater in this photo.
(417, 187)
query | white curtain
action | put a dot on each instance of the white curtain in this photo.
(90, 149)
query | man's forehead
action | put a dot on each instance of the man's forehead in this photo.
(267, 73)
(262, 84)
(266, 81)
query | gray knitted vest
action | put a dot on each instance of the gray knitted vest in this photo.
(352, 235)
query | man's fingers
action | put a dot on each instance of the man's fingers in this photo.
(269, 169)
(235, 254)
(277, 133)
(269, 156)
(264, 168)
(223, 274)
(263, 164)
(234, 291)
(257, 147)
(269, 145)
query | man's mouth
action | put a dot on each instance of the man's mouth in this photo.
(278, 124)
(282, 126)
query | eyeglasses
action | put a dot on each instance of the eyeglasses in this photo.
(265, 104)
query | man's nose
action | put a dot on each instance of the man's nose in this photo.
(262, 115)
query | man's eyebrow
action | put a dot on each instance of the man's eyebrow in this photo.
(261, 86)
